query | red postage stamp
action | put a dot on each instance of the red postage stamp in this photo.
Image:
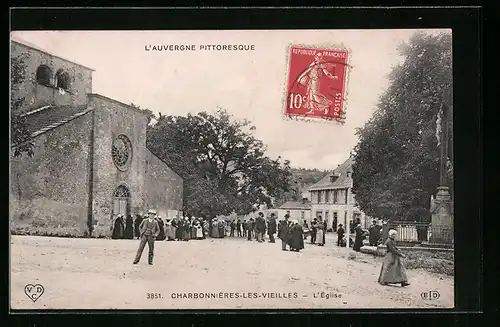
(316, 85)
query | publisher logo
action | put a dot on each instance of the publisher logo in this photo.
(430, 295)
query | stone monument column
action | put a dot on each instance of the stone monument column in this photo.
(442, 204)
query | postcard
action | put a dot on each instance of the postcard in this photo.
(231, 169)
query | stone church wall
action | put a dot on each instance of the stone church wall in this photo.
(113, 118)
(36, 95)
(49, 192)
(163, 190)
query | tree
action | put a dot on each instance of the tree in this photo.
(223, 165)
(397, 158)
(147, 112)
(21, 139)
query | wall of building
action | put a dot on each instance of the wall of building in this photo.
(163, 187)
(36, 95)
(111, 119)
(344, 212)
(295, 214)
(49, 192)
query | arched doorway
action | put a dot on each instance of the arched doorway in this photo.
(121, 201)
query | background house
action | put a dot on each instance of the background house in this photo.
(332, 198)
(300, 210)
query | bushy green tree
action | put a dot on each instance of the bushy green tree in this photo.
(397, 159)
(223, 165)
(21, 140)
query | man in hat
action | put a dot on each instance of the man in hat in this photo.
(340, 235)
(271, 228)
(375, 231)
(284, 231)
(149, 230)
(260, 227)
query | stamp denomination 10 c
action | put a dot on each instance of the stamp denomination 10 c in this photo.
(316, 85)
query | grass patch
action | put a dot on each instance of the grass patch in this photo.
(441, 262)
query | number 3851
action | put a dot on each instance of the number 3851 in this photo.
(153, 296)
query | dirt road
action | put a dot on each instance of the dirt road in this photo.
(229, 273)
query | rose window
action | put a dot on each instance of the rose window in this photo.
(121, 152)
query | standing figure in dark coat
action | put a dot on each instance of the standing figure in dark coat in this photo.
(215, 228)
(238, 228)
(233, 227)
(253, 228)
(358, 240)
(306, 229)
(129, 228)
(118, 228)
(178, 228)
(271, 228)
(393, 271)
(161, 235)
(314, 230)
(296, 239)
(137, 223)
(284, 232)
(260, 227)
(149, 230)
(186, 229)
(340, 235)
(244, 226)
(249, 229)
(193, 228)
(375, 232)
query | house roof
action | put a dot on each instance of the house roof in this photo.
(296, 205)
(341, 182)
(49, 117)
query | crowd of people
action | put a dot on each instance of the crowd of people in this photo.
(192, 228)
(150, 228)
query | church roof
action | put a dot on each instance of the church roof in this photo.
(50, 117)
(341, 182)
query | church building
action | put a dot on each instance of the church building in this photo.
(90, 159)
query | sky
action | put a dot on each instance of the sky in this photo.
(248, 84)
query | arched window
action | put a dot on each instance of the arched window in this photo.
(121, 192)
(121, 198)
(43, 75)
(63, 80)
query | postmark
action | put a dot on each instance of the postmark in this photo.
(316, 86)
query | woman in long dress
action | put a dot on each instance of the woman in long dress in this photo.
(199, 230)
(296, 240)
(129, 228)
(169, 230)
(358, 240)
(161, 236)
(320, 234)
(185, 229)
(393, 271)
(215, 228)
(221, 228)
(193, 228)
(118, 228)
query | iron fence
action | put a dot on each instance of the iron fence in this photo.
(419, 232)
